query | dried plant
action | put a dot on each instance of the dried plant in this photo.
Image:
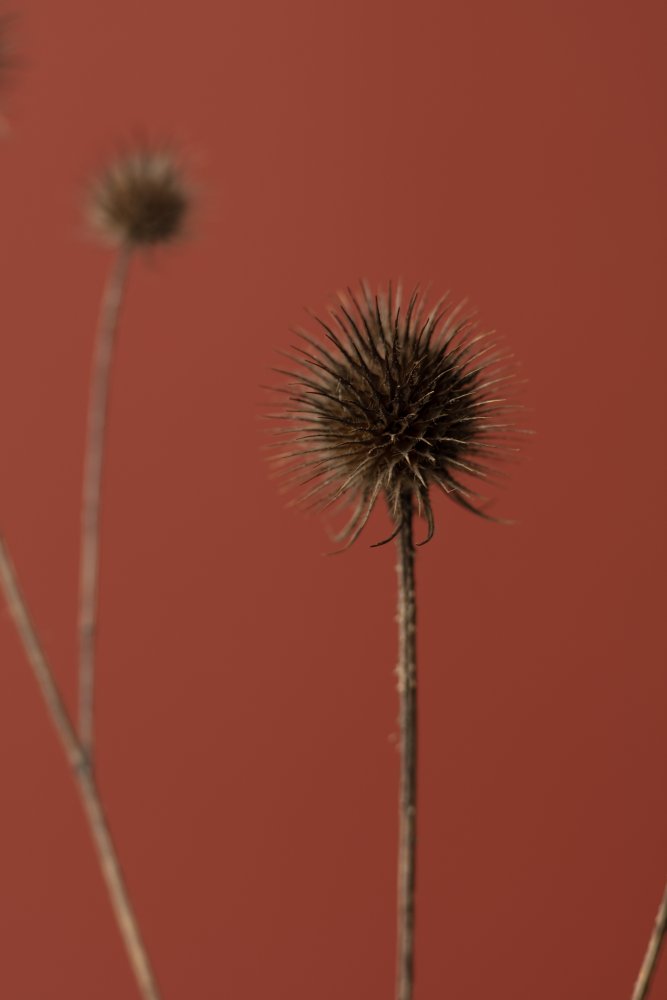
(388, 403)
(7, 58)
(139, 201)
(8, 63)
(83, 778)
(393, 405)
(650, 963)
(391, 402)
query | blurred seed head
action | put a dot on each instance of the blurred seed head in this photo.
(393, 400)
(8, 59)
(6, 48)
(140, 199)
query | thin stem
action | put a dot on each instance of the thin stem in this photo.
(407, 690)
(84, 780)
(652, 952)
(91, 500)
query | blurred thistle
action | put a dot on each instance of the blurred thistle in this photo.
(394, 401)
(140, 199)
(8, 61)
(6, 54)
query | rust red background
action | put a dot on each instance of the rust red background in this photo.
(514, 152)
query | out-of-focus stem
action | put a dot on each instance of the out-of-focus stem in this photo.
(84, 780)
(650, 962)
(92, 493)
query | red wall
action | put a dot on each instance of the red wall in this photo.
(515, 153)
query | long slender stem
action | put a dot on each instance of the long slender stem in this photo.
(652, 952)
(407, 690)
(84, 780)
(92, 493)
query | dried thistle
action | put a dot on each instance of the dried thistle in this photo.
(140, 199)
(8, 61)
(6, 47)
(395, 402)
(392, 403)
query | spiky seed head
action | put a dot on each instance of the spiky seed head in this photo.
(392, 400)
(140, 199)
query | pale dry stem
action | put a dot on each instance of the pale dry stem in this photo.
(650, 962)
(83, 778)
(92, 494)
(407, 689)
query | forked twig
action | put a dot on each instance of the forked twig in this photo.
(83, 778)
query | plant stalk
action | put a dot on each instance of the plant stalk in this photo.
(650, 962)
(406, 672)
(92, 493)
(84, 780)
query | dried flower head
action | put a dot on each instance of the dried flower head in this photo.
(4, 43)
(7, 55)
(140, 199)
(393, 401)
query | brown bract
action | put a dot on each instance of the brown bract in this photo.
(140, 199)
(393, 399)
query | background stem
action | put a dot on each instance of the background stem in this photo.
(83, 777)
(652, 952)
(407, 691)
(91, 500)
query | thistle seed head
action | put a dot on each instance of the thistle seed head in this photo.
(392, 400)
(7, 55)
(140, 199)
